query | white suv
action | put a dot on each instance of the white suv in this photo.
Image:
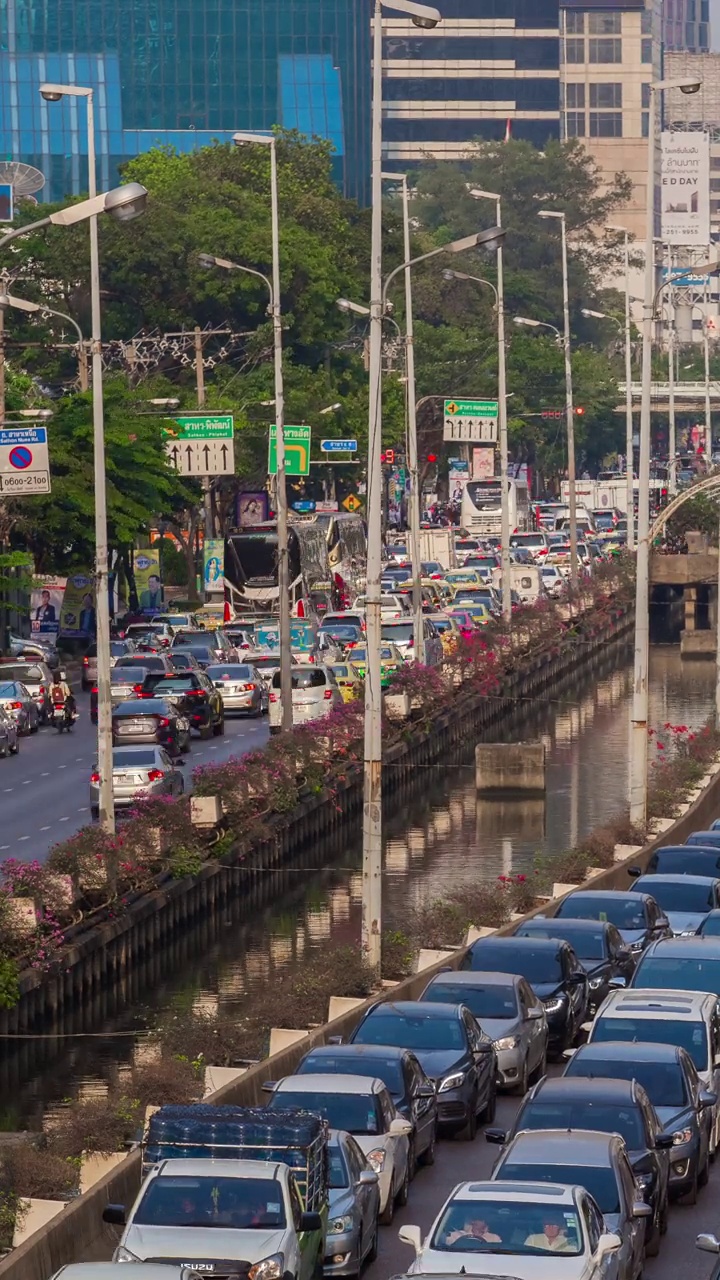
(402, 633)
(315, 693)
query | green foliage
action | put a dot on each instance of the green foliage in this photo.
(701, 513)
(9, 983)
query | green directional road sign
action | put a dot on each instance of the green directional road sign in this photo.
(201, 444)
(213, 426)
(297, 451)
(471, 420)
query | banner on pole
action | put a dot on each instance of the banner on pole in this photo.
(685, 188)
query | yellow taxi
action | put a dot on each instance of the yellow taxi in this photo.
(391, 660)
(349, 681)
(449, 631)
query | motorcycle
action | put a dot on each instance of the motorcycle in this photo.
(62, 717)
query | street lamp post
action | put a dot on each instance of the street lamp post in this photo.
(269, 140)
(569, 412)
(22, 304)
(412, 441)
(672, 434)
(629, 447)
(638, 745)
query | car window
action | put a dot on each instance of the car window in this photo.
(627, 1180)
(688, 1035)
(295, 1203)
(303, 678)
(594, 1224)
(387, 1109)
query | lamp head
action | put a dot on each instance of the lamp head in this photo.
(690, 87)
(126, 203)
(477, 194)
(448, 274)
(593, 315)
(206, 260)
(525, 320)
(491, 239)
(51, 95)
(419, 20)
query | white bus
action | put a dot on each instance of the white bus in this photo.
(481, 506)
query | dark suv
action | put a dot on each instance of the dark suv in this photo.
(197, 698)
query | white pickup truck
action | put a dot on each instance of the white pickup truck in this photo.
(223, 1219)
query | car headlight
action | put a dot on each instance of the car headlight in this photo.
(644, 1180)
(452, 1081)
(682, 1135)
(595, 983)
(507, 1042)
(376, 1160)
(270, 1268)
(124, 1255)
(554, 1004)
(337, 1226)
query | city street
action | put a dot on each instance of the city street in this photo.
(44, 789)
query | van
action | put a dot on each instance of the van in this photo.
(315, 693)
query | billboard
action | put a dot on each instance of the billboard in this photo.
(685, 188)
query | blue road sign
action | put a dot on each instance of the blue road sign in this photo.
(304, 505)
(23, 435)
(338, 446)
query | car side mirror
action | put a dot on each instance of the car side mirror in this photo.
(400, 1128)
(641, 1209)
(706, 1098)
(569, 1053)
(535, 1013)
(496, 1136)
(269, 1086)
(609, 1242)
(617, 982)
(335, 1040)
(411, 1235)
(662, 922)
(634, 872)
(368, 1178)
(707, 1242)
(664, 1141)
(114, 1214)
(311, 1222)
(426, 1091)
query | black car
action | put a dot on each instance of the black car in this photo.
(637, 915)
(197, 698)
(453, 1051)
(213, 642)
(409, 1087)
(707, 839)
(597, 945)
(670, 1079)
(681, 860)
(183, 660)
(150, 720)
(608, 1106)
(553, 971)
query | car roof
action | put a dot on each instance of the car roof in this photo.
(624, 1051)
(697, 945)
(416, 1008)
(357, 1051)
(137, 746)
(515, 940)
(642, 1003)
(473, 978)
(599, 895)
(545, 1192)
(553, 1088)
(268, 1170)
(563, 1146)
(677, 877)
(578, 923)
(109, 1271)
(330, 1084)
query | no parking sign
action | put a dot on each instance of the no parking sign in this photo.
(24, 461)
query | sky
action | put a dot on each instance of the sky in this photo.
(715, 24)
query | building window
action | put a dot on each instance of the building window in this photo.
(645, 123)
(645, 90)
(715, 184)
(603, 49)
(605, 24)
(574, 23)
(646, 18)
(575, 124)
(574, 95)
(606, 124)
(574, 51)
(606, 95)
(646, 50)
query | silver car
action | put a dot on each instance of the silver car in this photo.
(109, 1271)
(596, 1161)
(266, 662)
(509, 1012)
(125, 682)
(242, 687)
(9, 737)
(138, 772)
(17, 703)
(36, 677)
(354, 1206)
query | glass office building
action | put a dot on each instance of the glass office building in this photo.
(181, 72)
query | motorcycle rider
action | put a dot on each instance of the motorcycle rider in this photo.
(62, 695)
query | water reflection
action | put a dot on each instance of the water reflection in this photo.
(443, 834)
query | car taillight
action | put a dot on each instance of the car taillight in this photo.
(86, 662)
(137, 688)
(155, 774)
(195, 693)
(311, 657)
(163, 722)
(327, 694)
(41, 689)
(15, 706)
(94, 689)
(249, 688)
(94, 777)
(273, 697)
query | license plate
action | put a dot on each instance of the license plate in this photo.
(133, 726)
(183, 724)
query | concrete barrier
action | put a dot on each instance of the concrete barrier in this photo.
(510, 766)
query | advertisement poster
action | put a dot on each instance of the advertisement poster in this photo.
(214, 564)
(685, 188)
(148, 581)
(483, 463)
(77, 614)
(45, 606)
(252, 508)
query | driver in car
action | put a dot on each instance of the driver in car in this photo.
(473, 1229)
(552, 1237)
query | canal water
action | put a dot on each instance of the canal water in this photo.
(447, 833)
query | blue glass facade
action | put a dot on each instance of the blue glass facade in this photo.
(182, 72)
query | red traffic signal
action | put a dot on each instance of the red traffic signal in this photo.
(388, 457)
(579, 409)
(432, 457)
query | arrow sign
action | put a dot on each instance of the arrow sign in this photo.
(338, 446)
(206, 454)
(188, 455)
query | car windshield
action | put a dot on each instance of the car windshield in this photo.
(354, 1112)
(681, 894)
(304, 678)
(26, 675)
(664, 1082)
(691, 1036)
(504, 1226)
(491, 1001)
(410, 1031)
(8, 691)
(146, 662)
(179, 683)
(601, 1183)
(601, 1117)
(243, 1203)
(711, 925)
(679, 973)
(537, 964)
(340, 632)
(398, 632)
(443, 624)
(135, 759)
(234, 671)
(337, 1169)
(121, 675)
(624, 913)
(375, 1067)
(266, 664)
(587, 944)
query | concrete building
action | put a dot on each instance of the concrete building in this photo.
(686, 25)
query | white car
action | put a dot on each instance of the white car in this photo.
(362, 1106)
(493, 1229)
(109, 1271)
(315, 693)
(391, 606)
(208, 1211)
(402, 633)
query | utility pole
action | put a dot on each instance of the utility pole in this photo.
(200, 395)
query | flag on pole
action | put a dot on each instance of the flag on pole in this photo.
(508, 130)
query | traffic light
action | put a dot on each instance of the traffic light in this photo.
(579, 410)
(388, 457)
(432, 457)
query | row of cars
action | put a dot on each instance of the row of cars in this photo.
(25, 699)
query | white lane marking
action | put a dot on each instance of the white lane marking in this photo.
(23, 837)
(78, 759)
(44, 775)
(44, 828)
(83, 810)
(6, 789)
(64, 819)
(4, 846)
(62, 766)
(27, 782)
